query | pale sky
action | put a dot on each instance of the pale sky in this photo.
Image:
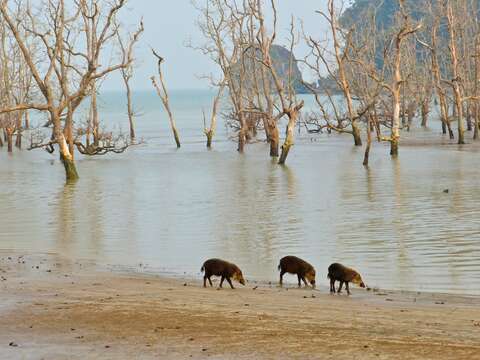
(169, 24)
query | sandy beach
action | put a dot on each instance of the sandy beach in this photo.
(52, 308)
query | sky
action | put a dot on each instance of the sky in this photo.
(170, 24)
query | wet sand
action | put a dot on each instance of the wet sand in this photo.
(52, 308)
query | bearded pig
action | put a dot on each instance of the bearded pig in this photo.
(295, 265)
(226, 270)
(343, 274)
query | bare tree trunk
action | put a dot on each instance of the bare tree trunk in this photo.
(410, 113)
(476, 113)
(163, 94)
(209, 135)
(446, 124)
(131, 121)
(289, 135)
(88, 132)
(71, 173)
(18, 140)
(396, 86)
(457, 92)
(68, 131)
(395, 134)
(274, 138)
(242, 133)
(369, 140)
(242, 140)
(450, 131)
(174, 128)
(210, 132)
(469, 117)
(95, 122)
(9, 133)
(438, 83)
(357, 139)
(252, 127)
(378, 131)
(27, 120)
(66, 155)
(266, 128)
(459, 107)
(475, 129)
(425, 111)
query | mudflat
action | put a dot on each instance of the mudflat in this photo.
(53, 308)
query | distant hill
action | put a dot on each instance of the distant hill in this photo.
(385, 12)
(355, 16)
(281, 61)
(281, 58)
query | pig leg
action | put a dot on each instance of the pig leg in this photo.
(340, 287)
(304, 281)
(348, 289)
(205, 281)
(230, 282)
(210, 281)
(299, 280)
(281, 277)
(332, 286)
(221, 281)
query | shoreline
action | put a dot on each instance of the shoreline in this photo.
(53, 308)
(146, 270)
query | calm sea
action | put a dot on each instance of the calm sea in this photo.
(170, 209)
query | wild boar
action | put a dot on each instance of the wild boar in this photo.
(221, 268)
(295, 265)
(343, 274)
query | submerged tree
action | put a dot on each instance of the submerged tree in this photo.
(210, 131)
(67, 74)
(319, 61)
(163, 94)
(127, 74)
(15, 79)
(351, 60)
(406, 29)
(224, 28)
(260, 92)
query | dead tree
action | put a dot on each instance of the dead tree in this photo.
(163, 94)
(347, 58)
(456, 81)
(266, 102)
(476, 87)
(210, 131)
(434, 47)
(127, 74)
(283, 89)
(226, 26)
(66, 75)
(393, 55)
(15, 78)
(342, 43)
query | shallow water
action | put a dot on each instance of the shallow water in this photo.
(170, 209)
